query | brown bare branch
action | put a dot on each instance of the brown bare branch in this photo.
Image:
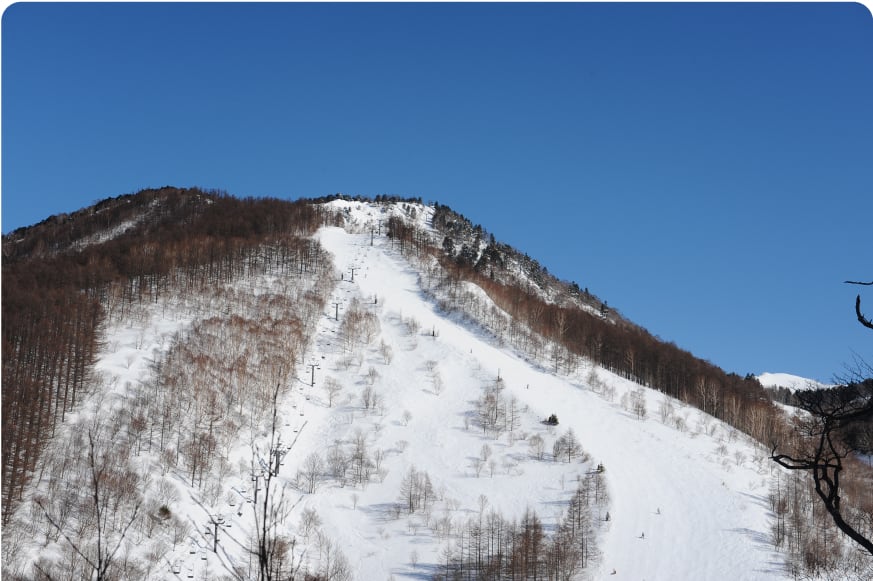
(830, 410)
(861, 318)
(72, 543)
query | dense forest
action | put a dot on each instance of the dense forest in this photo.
(60, 282)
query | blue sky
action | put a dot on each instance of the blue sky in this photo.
(705, 168)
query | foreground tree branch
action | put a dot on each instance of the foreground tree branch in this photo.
(861, 318)
(830, 410)
(822, 449)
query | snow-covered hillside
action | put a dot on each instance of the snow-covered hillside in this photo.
(402, 390)
(686, 503)
(789, 381)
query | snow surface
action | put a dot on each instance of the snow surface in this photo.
(792, 382)
(688, 495)
(713, 521)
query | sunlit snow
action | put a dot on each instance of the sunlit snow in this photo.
(688, 494)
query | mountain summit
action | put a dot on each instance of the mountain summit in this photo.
(199, 386)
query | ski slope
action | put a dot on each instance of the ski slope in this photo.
(680, 507)
(688, 495)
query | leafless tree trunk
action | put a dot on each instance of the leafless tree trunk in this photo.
(106, 549)
(271, 510)
(861, 318)
(831, 411)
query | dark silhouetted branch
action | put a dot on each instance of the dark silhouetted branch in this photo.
(861, 318)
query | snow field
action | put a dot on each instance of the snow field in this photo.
(441, 436)
(688, 496)
(713, 521)
(792, 382)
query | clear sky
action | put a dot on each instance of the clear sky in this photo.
(705, 168)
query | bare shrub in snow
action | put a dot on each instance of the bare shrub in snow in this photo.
(359, 327)
(537, 446)
(386, 352)
(370, 399)
(310, 473)
(665, 410)
(437, 380)
(333, 387)
(416, 491)
(333, 565)
(309, 522)
(411, 325)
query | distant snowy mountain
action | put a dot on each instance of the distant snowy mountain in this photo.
(788, 381)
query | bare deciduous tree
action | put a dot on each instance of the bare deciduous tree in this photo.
(387, 352)
(102, 473)
(310, 473)
(822, 447)
(334, 565)
(537, 446)
(333, 387)
(276, 553)
(369, 398)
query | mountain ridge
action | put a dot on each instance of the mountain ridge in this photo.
(216, 266)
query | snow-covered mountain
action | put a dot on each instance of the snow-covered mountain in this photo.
(789, 381)
(335, 403)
